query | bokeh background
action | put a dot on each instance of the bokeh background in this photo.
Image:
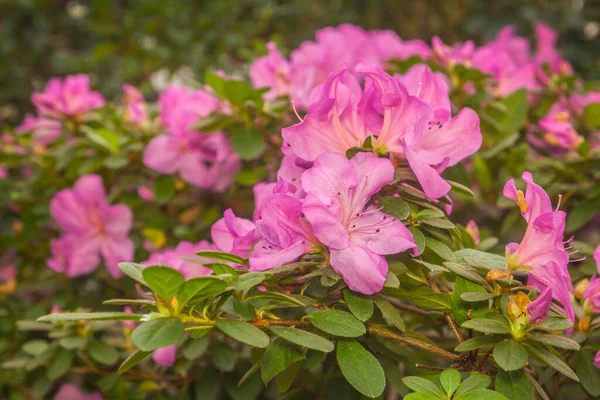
(143, 42)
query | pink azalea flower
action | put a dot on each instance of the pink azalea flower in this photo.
(71, 97)
(135, 109)
(92, 228)
(285, 233)
(546, 52)
(459, 53)
(429, 139)
(173, 258)
(357, 236)
(165, 356)
(542, 247)
(429, 87)
(597, 359)
(145, 193)
(271, 71)
(234, 235)
(206, 161)
(44, 130)
(539, 308)
(128, 324)
(473, 231)
(592, 294)
(70, 392)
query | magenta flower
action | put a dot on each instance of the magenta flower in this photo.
(71, 97)
(592, 294)
(546, 52)
(44, 130)
(173, 258)
(135, 109)
(597, 359)
(542, 248)
(234, 235)
(285, 233)
(70, 392)
(206, 161)
(92, 228)
(558, 132)
(539, 308)
(429, 87)
(473, 231)
(165, 356)
(357, 236)
(271, 71)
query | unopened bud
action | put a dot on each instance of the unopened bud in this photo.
(581, 288)
(496, 274)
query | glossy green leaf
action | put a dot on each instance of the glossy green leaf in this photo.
(303, 338)
(419, 384)
(543, 354)
(204, 287)
(390, 313)
(103, 353)
(222, 256)
(157, 333)
(472, 383)
(514, 385)
(588, 373)
(164, 281)
(450, 380)
(134, 271)
(243, 332)
(337, 323)
(486, 326)
(360, 368)
(277, 358)
(361, 307)
(510, 355)
(477, 342)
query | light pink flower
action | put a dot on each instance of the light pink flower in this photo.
(165, 356)
(173, 258)
(592, 294)
(92, 228)
(70, 392)
(546, 52)
(71, 97)
(357, 236)
(429, 87)
(542, 247)
(271, 71)
(135, 109)
(128, 324)
(234, 235)
(204, 160)
(44, 130)
(539, 308)
(145, 193)
(473, 231)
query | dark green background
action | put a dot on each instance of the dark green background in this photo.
(126, 41)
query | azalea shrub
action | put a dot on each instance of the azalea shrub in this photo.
(365, 216)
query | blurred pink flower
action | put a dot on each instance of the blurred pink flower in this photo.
(44, 130)
(204, 160)
(165, 356)
(234, 235)
(173, 258)
(68, 97)
(70, 392)
(135, 109)
(271, 71)
(92, 228)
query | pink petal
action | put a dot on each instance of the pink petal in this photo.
(362, 270)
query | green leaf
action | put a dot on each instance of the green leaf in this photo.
(582, 213)
(60, 364)
(395, 207)
(103, 137)
(482, 173)
(222, 256)
(481, 258)
(441, 249)
(482, 394)
(466, 272)
(433, 301)
(216, 82)
(135, 358)
(360, 306)
(277, 358)
(517, 108)
(556, 324)
(559, 341)
(510, 355)
(164, 189)
(418, 384)
(207, 385)
(477, 342)
(461, 189)
(193, 349)
(514, 385)
(474, 297)
(390, 314)
(204, 287)
(441, 223)
(103, 353)
(536, 385)
(337, 323)
(197, 332)
(360, 368)
(588, 373)
(99, 316)
(35, 347)
(420, 240)
(450, 380)
(303, 338)
(247, 142)
(591, 115)
(551, 360)
(157, 333)
(248, 280)
(238, 92)
(164, 281)
(420, 396)
(134, 271)
(222, 357)
(243, 332)
(486, 326)
(135, 302)
(472, 383)
(287, 377)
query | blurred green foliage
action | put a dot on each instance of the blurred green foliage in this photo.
(121, 41)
